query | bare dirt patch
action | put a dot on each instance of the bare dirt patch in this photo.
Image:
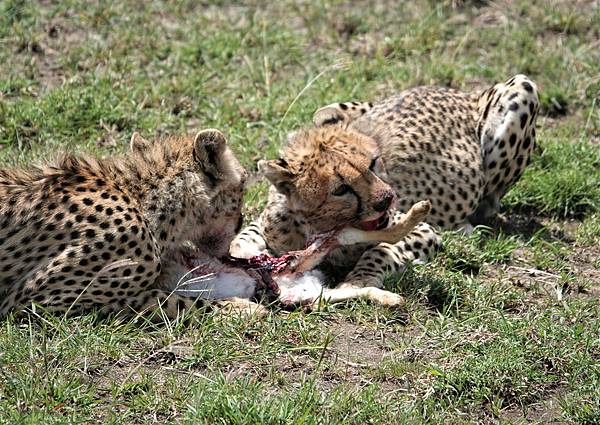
(41, 54)
(546, 411)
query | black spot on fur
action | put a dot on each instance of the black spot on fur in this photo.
(332, 120)
(523, 118)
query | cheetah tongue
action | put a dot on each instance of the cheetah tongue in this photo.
(376, 224)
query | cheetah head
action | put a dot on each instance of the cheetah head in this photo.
(332, 177)
(224, 179)
(201, 189)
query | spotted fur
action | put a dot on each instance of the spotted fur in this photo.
(462, 151)
(80, 233)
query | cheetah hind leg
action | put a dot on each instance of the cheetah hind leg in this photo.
(485, 213)
(507, 135)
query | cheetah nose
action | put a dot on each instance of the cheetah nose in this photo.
(384, 203)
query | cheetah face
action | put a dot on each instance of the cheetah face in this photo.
(333, 178)
(200, 196)
(223, 178)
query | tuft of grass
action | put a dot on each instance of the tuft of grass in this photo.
(515, 361)
(470, 253)
(244, 401)
(589, 231)
(562, 181)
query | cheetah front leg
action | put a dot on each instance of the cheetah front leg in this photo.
(419, 246)
(250, 242)
(276, 231)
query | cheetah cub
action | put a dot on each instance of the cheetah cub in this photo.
(361, 162)
(81, 233)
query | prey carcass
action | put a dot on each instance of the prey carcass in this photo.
(293, 278)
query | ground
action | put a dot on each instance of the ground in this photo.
(502, 328)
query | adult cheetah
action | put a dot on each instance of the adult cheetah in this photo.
(462, 151)
(80, 233)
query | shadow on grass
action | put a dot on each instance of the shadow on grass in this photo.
(432, 289)
(526, 223)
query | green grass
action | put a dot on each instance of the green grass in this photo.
(501, 328)
(563, 180)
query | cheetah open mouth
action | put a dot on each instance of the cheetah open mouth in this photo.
(378, 223)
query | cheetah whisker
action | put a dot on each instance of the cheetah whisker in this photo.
(182, 282)
(197, 279)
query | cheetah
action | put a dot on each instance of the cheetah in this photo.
(80, 233)
(361, 162)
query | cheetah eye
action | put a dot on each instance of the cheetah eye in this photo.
(341, 190)
(373, 163)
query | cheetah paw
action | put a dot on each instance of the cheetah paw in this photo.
(241, 307)
(388, 299)
(420, 210)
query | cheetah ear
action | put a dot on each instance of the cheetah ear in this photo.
(328, 115)
(278, 173)
(209, 144)
(137, 142)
